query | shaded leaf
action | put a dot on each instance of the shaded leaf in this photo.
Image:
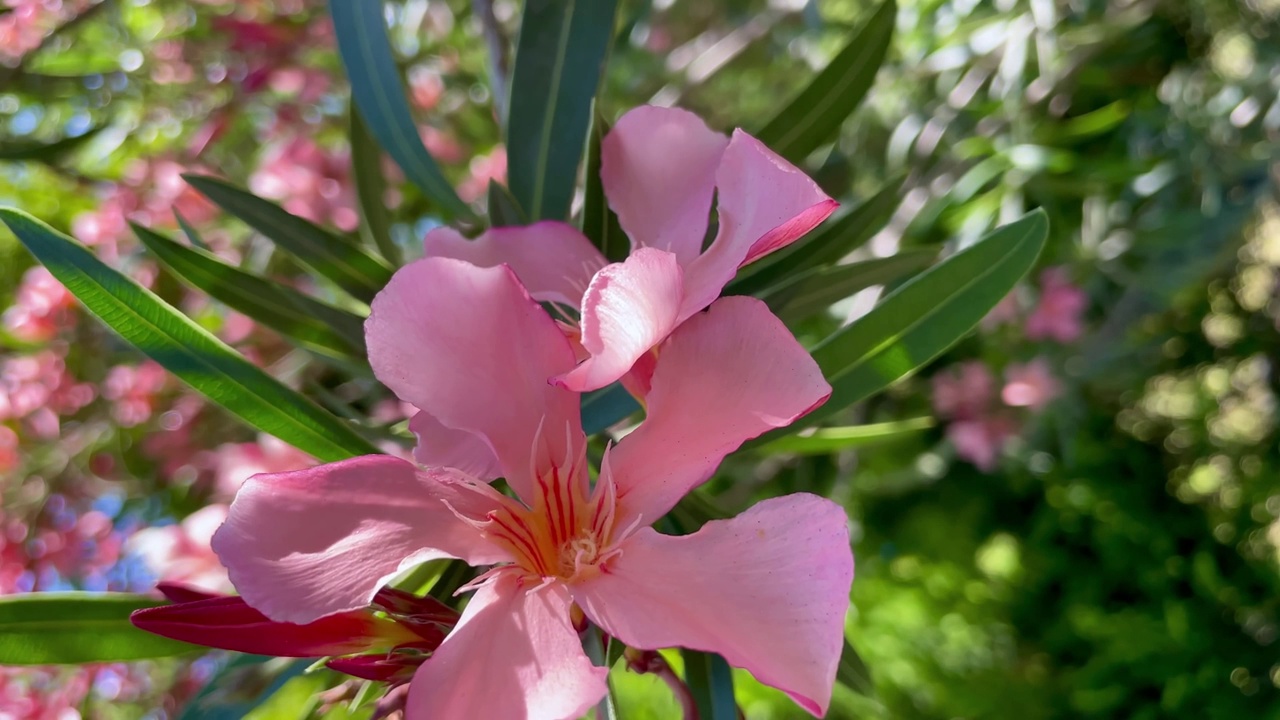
(710, 682)
(191, 232)
(371, 189)
(504, 211)
(349, 266)
(184, 348)
(560, 58)
(79, 627)
(599, 222)
(46, 151)
(814, 117)
(605, 407)
(378, 91)
(313, 324)
(853, 673)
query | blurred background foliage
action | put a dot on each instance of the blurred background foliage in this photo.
(1108, 550)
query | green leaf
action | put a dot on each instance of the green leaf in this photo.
(371, 189)
(378, 91)
(191, 232)
(351, 268)
(853, 673)
(313, 324)
(185, 349)
(79, 627)
(504, 211)
(710, 682)
(927, 315)
(559, 61)
(241, 685)
(605, 407)
(814, 117)
(46, 151)
(812, 292)
(599, 222)
(827, 245)
(835, 439)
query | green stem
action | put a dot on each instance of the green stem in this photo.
(593, 643)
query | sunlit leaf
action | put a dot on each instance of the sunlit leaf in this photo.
(559, 61)
(185, 349)
(835, 439)
(710, 682)
(810, 293)
(348, 265)
(79, 627)
(361, 30)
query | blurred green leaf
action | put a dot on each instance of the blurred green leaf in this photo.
(240, 686)
(835, 439)
(185, 349)
(504, 211)
(191, 232)
(826, 245)
(361, 30)
(605, 407)
(371, 189)
(924, 317)
(560, 58)
(351, 268)
(46, 151)
(814, 117)
(599, 222)
(313, 324)
(810, 293)
(711, 683)
(853, 673)
(79, 627)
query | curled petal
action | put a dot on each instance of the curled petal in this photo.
(724, 377)
(442, 446)
(630, 307)
(552, 259)
(768, 590)
(658, 167)
(514, 655)
(301, 545)
(469, 346)
(765, 203)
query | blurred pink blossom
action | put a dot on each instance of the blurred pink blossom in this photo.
(40, 309)
(425, 87)
(1058, 316)
(180, 553)
(237, 462)
(1004, 313)
(10, 455)
(132, 389)
(963, 391)
(1030, 385)
(38, 385)
(308, 180)
(484, 168)
(981, 440)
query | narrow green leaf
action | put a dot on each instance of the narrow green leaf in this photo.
(599, 222)
(365, 47)
(191, 232)
(835, 439)
(241, 685)
(314, 325)
(710, 682)
(346, 264)
(185, 349)
(827, 245)
(814, 117)
(559, 62)
(924, 317)
(853, 673)
(79, 627)
(810, 293)
(371, 189)
(605, 407)
(46, 151)
(504, 211)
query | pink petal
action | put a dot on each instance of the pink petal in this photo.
(441, 446)
(765, 203)
(469, 346)
(552, 259)
(724, 377)
(300, 545)
(630, 307)
(514, 655)
(658, 166)
(768, 590)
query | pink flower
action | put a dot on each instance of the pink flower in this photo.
(981, 440)
(132, 391)
(1004, 313)
(10, 455)
(660, 169)
(41, 307)
(238, 462)
(768, 590)
(181, 553)
(963, 391)
(1059, 314)
(1030, 385)
(484, 168)
(310, 181)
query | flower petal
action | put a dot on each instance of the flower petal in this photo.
(724, 377)
(441, 446)
(304, 544)
(629, 308)
(768, 590)
(552, 259)
(658, 166)
(514, 655)
(765, 203)
(469, 346)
